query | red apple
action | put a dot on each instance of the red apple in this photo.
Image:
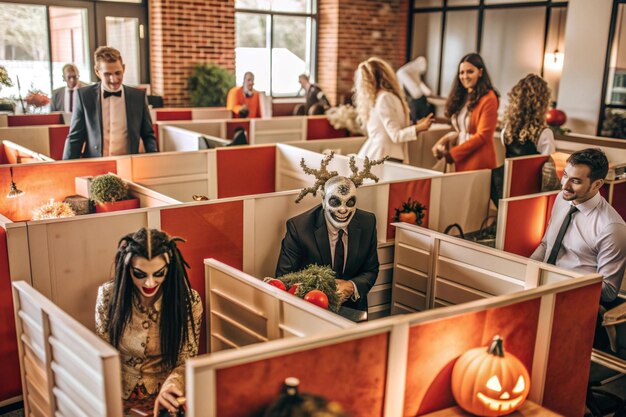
(293, 289)
(277, 283)
(555, 117)
(317, 297)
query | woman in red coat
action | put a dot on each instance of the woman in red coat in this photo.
(472, 107)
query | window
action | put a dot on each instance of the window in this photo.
(36, 41)
(613, 111)
(513, 37)
(275, 39)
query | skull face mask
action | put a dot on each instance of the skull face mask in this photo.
(339, 201)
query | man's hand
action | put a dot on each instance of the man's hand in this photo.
(167, 399)
(345, 289)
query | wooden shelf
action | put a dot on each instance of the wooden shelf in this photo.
(529, 409)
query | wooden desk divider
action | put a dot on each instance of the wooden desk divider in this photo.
(277, 129)
(434, 270)
(66, 369)
(242, 310)
(401, 365)
(19, 120)
(12, 153)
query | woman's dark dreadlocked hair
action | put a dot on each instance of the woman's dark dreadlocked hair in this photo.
(177, 299)
(458, 94)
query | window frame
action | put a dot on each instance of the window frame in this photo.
(481, 7)
(607, 63)
(314, 15)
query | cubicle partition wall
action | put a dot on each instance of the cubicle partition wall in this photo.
(66, 369)
(18, 120)
(402, 365)
(47, 140)
(12, 153)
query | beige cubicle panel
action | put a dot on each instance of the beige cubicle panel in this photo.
(35, 138)
(243, 310)
(66, 369)
(341, 146)
(434, 270)
(278, 129)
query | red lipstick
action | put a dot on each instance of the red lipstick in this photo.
(149, 290)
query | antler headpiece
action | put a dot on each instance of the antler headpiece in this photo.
(322, 175)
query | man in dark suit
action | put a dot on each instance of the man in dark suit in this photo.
(63, 98)
(319, 236)
(109, 118)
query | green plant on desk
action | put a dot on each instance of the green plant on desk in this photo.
(108, 188)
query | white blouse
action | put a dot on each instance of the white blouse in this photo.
(388, 129)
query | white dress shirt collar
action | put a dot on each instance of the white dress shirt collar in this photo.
(589, 205)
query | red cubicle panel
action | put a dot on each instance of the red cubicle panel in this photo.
(526, 175)
(526, 222)
(41, 182)
(399, 192)
(11, 381)
(435, 346)
(56, 138)
(318, 127)
(211, 231)
(352, 373)
(246, 171)
(35, 119)
(173, 114)
(573, 327)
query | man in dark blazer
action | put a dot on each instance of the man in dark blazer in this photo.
(63, 98)
(314, 235)
(109, 118)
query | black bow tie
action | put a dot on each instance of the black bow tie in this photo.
(108, 94)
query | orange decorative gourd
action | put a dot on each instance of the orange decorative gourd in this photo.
(486, 382)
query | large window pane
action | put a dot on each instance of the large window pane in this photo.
(616, 88)
(427, 3)
(123, 34)
(463, 2)
(427, 43)
(290, 53)
(24, 47)
(513, 45)
(291, 6)
(459, 40)
(69, 40)
(253, 49)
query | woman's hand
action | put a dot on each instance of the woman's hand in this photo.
(423, 124)
(444, 144)
(167, 399)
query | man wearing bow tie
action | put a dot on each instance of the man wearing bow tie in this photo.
(109, 118)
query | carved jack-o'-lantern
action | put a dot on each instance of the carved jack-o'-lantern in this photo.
(488, 383)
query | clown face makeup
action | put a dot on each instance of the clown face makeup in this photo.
(339, 201)
(148, 275)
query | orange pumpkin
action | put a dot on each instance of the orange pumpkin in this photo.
(486, 382)
(409, 217)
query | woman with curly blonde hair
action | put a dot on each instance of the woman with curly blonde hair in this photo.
(383, 111)
(525, 130)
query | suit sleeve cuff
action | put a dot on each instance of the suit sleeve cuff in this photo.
(356, 295)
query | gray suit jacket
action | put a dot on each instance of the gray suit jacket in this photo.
(58, 98)
(86, 125)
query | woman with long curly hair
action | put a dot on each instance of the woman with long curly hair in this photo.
(525, 130)
(150, 313)
(472, 107)
(382, 110)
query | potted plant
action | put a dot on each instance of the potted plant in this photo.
(209, 84)
(36, 99)
(110, 193)
(53, 210)
(5, 81)
(411, 212)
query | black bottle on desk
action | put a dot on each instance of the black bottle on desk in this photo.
(287, 401)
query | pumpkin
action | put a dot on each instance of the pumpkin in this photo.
(555, 117)
(486, 382)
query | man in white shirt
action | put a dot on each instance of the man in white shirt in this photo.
(63, 98)
(585, 232)
(109, 118)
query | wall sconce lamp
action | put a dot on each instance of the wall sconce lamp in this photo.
(14, 192)
(554, 60)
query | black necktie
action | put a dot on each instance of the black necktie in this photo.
(338, 265)
(71, 100)
(559, 237)
(108, 94)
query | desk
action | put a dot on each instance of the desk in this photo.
(529, 409)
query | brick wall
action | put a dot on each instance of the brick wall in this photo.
(352, 31)
(183, 33)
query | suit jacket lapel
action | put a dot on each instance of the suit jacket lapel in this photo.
(354, 237)
(98, 101)
(127, 102)
(321, 238)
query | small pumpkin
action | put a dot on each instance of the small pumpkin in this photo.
(488, 382)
